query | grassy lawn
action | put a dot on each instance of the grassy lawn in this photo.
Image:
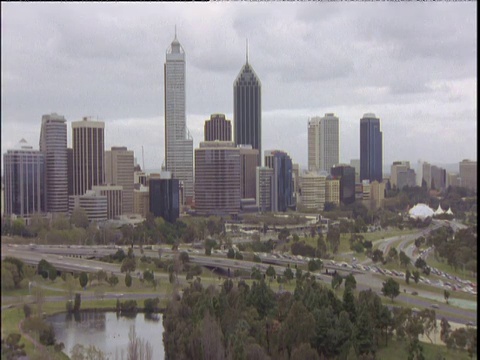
(398, 350)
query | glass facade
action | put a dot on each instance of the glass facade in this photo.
(370, 149)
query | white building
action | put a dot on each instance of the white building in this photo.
(323, 143)
(312, 191)
(178, 141)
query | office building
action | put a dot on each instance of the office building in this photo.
(355, 163)
(88, 142)
(323, 143)
(141, 200)
(439, 177)
(346, 175)
(468, 174)
(370, 148)
(164, 197)
(247, 109)
(248, 165)
(402, 175)
(53, 144)
(282, 167)
(218, 128)
(119, 166)
(217, 178)
(312, 191)
(178, 141)
(94, 204)
(24, 180)
(264, 188)
(332, 190)
(453, 179)
(70, 171)
(114, 194)
(427, 175)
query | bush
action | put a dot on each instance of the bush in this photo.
(129, 306)
(27, 310)
(358, 247)
(76, 304)
(151, 305)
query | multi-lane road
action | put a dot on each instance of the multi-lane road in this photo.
(70, 258)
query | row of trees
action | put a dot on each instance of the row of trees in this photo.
(252, 322)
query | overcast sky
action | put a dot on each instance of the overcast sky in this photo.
(413, 64)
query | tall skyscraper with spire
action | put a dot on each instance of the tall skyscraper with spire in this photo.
(178, 141)
(247, 109)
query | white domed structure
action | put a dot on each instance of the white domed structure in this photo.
(421, 211)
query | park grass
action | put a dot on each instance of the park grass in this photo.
(398, 350)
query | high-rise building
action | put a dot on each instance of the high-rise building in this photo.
(248, 165)
(70, 171)
(401, 175)
(282, 185)
(94, 204)
(88, 142)
(370, 148)
(323, 143)
(218, 128)
(427, 175)
(247, 109)
(453, 179)
(164, 197)
(114, 198)
(468, 174)
(178, 141)
(53, 144)
(332, 190)
(217, 178)
(439, 177)
(264, 177)
(141, 200)
(119, 166)
(312, 191)
(355, 163)
(24, 177)
(346, 175)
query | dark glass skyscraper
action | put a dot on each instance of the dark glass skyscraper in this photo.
(370, 148)
(346, 174)
(282, 185)
(165, 198)
(247, 109)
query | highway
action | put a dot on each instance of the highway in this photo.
(59, 257)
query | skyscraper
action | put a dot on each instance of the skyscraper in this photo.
(247, 109)
(217, 178)
(218, 128)
(119, 171)
(178, 141)
(468, 174)
(164, 197)
(88, 142)
(370, 148)
(24, 177)
(323, 143)
(53, 144)
(282, 185)
(346, 175)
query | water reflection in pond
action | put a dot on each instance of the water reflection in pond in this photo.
(107, 331)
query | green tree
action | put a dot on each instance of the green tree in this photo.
(83, 279)
(288, 274)
(79, 218)
(337, 280)
(404, 259)
(350, 282)
(270, 272)
(128, 280)
(314, 265)
(113, 279)
(128, 265)
(77, 302)
(416, 276)
(408, 275)
(333, 238)
(11, 347)
(446, 295)
(391, 288)
(230, 253)
(377, 256)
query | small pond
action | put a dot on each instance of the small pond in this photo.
(108, 331)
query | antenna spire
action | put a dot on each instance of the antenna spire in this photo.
(175, 31)
(247, 51)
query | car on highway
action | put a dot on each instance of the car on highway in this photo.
(435, 306)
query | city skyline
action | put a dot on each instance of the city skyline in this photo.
(419, 76)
